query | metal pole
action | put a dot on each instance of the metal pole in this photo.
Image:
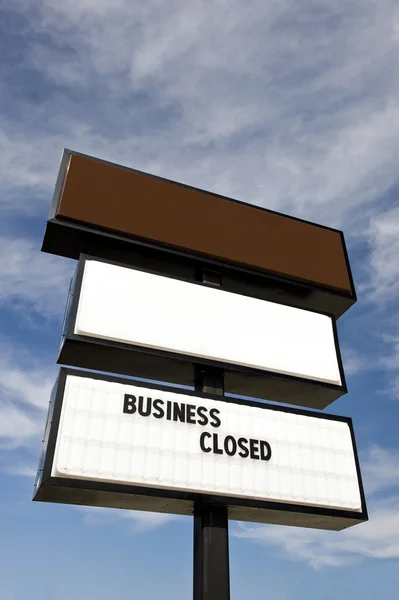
(211, 539)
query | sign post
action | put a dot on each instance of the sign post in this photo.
(211, 569)
(181, 286)
(211, 526)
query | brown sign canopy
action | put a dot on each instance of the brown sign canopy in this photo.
(258, 251)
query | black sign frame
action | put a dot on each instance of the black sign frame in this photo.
(136, 361)
(105, 494)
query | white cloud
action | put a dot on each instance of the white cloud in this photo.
(139, 521)
(380, 469)
(383, 235)
(15, 425)
(289, 109)
(22, 168)
(32, 281)
(389, 361)
(19, 470)
(25, 387)
(354, 361)
(144, 521)
(377, 538)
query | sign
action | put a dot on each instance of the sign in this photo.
(180, 285)
(113, 212)
(123, 309)
(268, 464)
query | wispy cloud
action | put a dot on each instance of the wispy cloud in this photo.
(32, 281)
(378, 538)
(17, 426)
(354, 361)
(25, 386)
(146, 521)
(138, 521)
(289, 109)
(273, 105)
(380, 468)
(18, 470)
(383, 236)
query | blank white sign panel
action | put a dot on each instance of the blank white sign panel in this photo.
(121, 433)
(134, 307)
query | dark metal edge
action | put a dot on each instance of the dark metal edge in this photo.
(59, 185)
(359, 474)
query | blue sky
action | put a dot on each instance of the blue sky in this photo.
(292, 106)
